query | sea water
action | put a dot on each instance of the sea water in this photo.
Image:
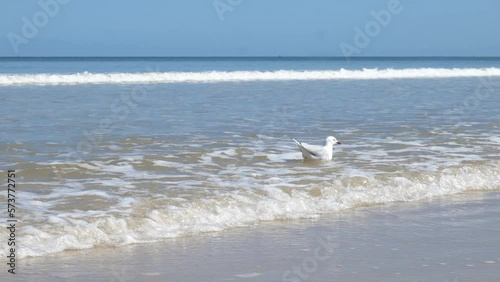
(114, 151)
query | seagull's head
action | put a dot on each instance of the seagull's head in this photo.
(332, 140)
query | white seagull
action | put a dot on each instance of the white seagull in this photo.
(312, 152)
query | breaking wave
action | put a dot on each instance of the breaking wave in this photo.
(146, 220)
(235, 76)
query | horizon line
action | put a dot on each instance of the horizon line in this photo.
(250, 57)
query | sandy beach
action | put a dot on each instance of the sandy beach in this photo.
(452, 238)
(250, 141)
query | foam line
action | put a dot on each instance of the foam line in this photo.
(78, 229)
(228, 76)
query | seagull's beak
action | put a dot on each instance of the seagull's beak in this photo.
(338, 142)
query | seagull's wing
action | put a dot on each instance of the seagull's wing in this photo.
(308, 151)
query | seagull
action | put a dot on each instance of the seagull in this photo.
(311, 152)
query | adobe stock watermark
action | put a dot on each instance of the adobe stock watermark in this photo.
(31, 27)
(223, 6)
(311, 263)
(120, 109)
(121, 276)
(277, 125)
(364, 36)
(469, 105)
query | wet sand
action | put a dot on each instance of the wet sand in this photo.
(454, 238)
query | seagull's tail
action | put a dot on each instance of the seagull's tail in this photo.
(298, 143)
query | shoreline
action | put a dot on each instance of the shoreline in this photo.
(452, 238)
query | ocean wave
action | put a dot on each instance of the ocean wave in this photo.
(235, 76)
(151, 219)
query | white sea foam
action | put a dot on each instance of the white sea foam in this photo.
(227, 76)
(141, 220)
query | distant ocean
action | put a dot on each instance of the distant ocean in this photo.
(114, 151)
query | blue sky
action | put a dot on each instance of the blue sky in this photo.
(250, 28)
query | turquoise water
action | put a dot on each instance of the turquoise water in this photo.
(113, 151)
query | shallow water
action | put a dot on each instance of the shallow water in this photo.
(117, 163)
(453, 238)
